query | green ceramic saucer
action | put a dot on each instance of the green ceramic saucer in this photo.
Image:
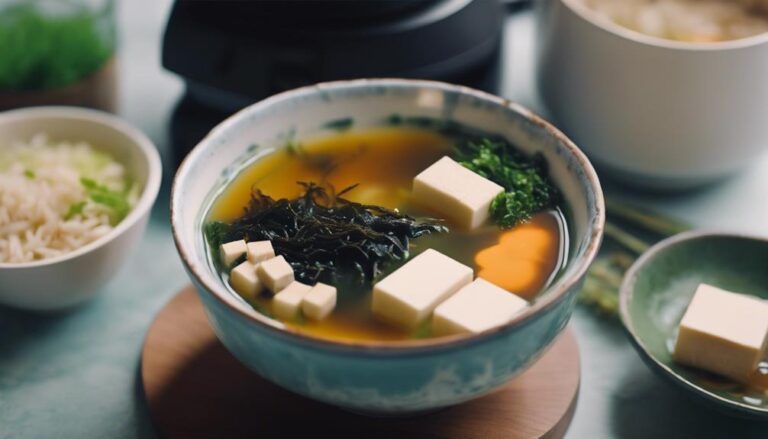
(657, 289)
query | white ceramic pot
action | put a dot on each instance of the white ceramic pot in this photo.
(73, 277)
(653, 112)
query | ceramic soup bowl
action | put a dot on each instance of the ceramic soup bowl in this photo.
(397, 377)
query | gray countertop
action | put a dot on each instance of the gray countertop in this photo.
(75, 375)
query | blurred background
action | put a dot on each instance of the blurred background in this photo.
(176, 69)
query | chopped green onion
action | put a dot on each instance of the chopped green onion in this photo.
(116, 201)
(75, 209)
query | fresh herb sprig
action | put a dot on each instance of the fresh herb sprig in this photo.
(527, 188)
(324, 236)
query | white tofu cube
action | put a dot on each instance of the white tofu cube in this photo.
(319, 302)
(244, 280)
(477, 307)
(410, 294)
(260, 251)
(275, 273)
(456, 193)
(287, 302)
(723, 332)
(232, 251)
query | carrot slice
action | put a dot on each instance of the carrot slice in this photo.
(523, 258)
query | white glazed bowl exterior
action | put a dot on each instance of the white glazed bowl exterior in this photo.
(654, 112)
(66, 280)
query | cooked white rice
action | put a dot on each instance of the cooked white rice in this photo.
(687, 20)
(45, 210)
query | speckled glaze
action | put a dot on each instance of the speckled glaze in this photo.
(658, 288)
(382, 378)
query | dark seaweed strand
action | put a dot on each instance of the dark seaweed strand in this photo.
(327, 238)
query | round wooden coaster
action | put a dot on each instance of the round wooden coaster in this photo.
(196, 389)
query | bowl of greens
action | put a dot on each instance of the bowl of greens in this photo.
(57, 53)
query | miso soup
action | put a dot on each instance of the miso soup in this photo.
(376, 167)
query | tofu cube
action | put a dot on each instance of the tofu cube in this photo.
(476, 307)
(456, 193)
(260, 251)
(232, 251)
(275, 273)
(723, 332)
(287, 302)
(319, 302)
(410, 294)
(244, 280)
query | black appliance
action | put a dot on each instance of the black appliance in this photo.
(233, 53)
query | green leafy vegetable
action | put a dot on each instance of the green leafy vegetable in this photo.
(75, 209)
(45, 50)
(116, 201)
(324, 236)
(527, 188)
(216, 233)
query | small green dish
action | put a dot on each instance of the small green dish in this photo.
(657, 289)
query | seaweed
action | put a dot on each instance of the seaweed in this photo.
(340, 124)
(216, 233)
(325, 237)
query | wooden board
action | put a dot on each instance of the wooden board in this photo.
(195, 389)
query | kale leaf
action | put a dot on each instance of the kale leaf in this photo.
(527, 187)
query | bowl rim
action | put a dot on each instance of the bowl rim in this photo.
(590, 16)
(140, 142)
(626, 295)
(581, 264)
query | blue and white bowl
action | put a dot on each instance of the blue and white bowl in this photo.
(390, 378)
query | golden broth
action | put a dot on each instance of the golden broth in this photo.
(384, 161)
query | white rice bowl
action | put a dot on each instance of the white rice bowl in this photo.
(45, 208)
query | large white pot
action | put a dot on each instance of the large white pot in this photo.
(653, 112)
